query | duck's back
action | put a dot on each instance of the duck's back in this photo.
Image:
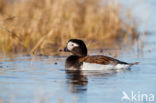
(100, 62)
(100, 59)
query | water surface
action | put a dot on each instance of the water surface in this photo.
(41, 79)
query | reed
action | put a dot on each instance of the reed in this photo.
(44, 26)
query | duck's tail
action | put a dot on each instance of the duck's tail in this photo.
(135, 63)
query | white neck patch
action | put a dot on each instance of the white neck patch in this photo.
(71, 45)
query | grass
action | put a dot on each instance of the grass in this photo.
(44, 26)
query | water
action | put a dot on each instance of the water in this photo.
(39, 79)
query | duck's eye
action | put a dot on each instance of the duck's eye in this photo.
(72, 44)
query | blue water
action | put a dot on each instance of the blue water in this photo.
(39, 79)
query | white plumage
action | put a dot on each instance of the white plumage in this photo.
(93, 66)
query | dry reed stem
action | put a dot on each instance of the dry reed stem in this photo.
(46, 25)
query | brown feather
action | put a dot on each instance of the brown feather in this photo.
(100, 59)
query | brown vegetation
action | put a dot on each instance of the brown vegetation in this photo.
(44, 26)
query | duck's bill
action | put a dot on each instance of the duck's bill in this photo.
(66, 49)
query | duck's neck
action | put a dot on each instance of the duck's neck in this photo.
(80, 55)
(79, 52)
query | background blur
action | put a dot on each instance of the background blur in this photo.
(45, 26)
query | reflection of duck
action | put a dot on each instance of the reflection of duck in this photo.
(81, 61)
(77, 81)
(77, 78)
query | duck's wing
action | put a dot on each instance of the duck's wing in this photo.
(100, 59)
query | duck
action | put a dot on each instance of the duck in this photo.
(80, 60)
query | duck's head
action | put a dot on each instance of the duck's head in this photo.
(76, 47)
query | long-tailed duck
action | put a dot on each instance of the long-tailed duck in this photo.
(81, 61)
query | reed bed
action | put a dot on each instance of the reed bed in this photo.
(44, 26)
